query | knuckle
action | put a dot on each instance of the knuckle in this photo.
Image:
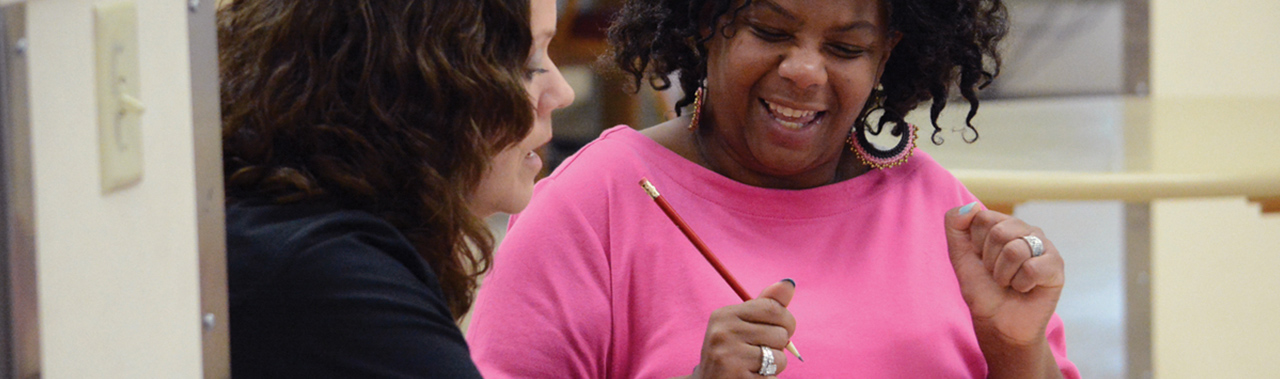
(1032, 269)
(1011, 250)
(722, 315)
(715, 315)
(765, 308)
(1002, 232)
(775, 310)
(718, 334)
(984, 216)
(717, 337)
(781, 336)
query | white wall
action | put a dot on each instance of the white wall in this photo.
(118, 285)
(1216, 91)
(1062, 47)
(1215, 48)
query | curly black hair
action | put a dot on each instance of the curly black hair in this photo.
(944, 44)
(385, 106)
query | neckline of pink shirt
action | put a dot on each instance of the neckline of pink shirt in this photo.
(823, 201)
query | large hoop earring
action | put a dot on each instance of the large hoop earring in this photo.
(867, 152)
(697, 107)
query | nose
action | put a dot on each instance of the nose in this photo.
(803, 67)
(558, 94)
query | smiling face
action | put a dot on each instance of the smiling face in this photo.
(784, 89)
(508, 184)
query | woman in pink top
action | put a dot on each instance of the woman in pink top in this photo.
(905, 275)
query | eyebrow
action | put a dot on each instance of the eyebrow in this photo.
(775, 8)
(860, 24)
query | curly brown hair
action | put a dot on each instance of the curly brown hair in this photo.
(386, 106)
(944, 44)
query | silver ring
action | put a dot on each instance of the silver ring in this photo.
(1037, 246)
(767, 367)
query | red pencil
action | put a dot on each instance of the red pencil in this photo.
(702, 248)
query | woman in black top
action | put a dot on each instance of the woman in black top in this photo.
(363, 143)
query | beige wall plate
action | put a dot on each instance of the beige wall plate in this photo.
(118, 87)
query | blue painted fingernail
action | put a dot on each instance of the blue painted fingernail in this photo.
(965, 209)
(788, 280)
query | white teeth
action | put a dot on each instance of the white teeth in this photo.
(790, 112)
(796, 118)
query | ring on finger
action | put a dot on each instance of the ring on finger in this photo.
(767, 366)
(1037, 246)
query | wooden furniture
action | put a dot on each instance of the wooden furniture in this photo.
(582, 40)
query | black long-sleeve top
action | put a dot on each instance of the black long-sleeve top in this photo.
(321, 292)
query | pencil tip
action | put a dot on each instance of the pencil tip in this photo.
(796, 352)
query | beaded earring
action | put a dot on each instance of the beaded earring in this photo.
(867, 152)
(697, 107)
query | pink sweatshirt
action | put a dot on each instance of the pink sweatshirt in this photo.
(593, 281)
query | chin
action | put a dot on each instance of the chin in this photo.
(517, 201)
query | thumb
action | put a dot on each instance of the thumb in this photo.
(782, 291)
(958, 220)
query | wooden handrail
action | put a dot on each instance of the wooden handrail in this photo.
(1001, 189)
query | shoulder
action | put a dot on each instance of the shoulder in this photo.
(932, 181)
(923, 167)
(263, 224)
(613, 162)
(617, 148)
(319, 291)
(312, 246)
(625, 154)
(588, 187)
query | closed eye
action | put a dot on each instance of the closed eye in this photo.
(846, 51)
(769, 34)
(534, 71)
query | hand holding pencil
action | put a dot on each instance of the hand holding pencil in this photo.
(736, 333)
(754, 324)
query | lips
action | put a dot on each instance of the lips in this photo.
(792, 118)
(533, 159)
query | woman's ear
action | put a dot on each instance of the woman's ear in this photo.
(891, 41)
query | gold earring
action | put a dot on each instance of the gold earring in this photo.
(697, 107)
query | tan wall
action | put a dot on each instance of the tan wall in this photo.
(1215, 48)
(1215, 291)
(118, 285)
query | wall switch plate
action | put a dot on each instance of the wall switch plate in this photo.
(118, 90)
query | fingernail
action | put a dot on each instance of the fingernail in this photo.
(788, 280)
(965, 209)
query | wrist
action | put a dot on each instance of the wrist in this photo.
(1014, 358)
